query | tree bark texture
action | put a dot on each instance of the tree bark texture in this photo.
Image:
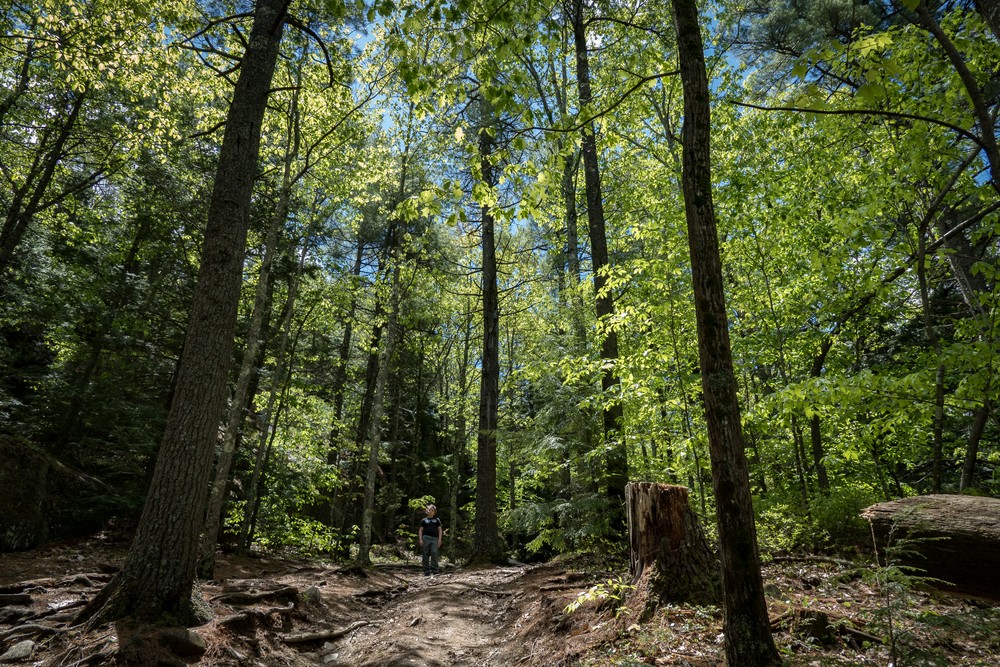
(617, 459)
(747, 629)
(955, 539)
(375, 424)
(667, 547)
(248, 367)
(487, 545)
(157, 579)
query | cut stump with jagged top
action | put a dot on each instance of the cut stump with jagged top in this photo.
(670, 560)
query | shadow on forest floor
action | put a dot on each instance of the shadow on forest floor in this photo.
(272, 611)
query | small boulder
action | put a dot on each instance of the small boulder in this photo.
(19, 652)
(311, 595)
(182, 642)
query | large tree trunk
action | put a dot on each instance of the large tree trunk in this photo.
(617, 459)
(157, 580)
(747, 629)
(668, 552)
(487, 545)
(248, 367)
(954, 539)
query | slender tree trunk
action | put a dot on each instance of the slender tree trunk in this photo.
(269, 414)
(375, 423)
(343, 359)
(461, 425)
(157, 578)
(747, 630)
(972, 449)
(815, 434)
(937, 423)
(487, 545)
(21, 212)
(333, 453)
(617, 458)
(980, 107)
(990, 11)
(798, 445)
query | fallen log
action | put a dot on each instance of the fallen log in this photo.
(952, 539)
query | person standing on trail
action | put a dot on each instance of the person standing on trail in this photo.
(430, 535)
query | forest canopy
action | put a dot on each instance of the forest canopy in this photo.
(435, 176)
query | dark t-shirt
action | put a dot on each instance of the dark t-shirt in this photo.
(430, 526)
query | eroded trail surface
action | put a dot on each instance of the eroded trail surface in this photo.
(273, 612)
(464, 617)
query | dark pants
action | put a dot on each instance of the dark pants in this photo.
(430, 548)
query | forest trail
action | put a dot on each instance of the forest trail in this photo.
(271, 612)
(460, 617)
(275, 612)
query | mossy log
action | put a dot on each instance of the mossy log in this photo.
(952, 539)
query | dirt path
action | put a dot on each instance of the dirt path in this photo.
(273, 612)
(465, 617)
(392, 616)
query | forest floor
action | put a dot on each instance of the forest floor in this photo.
(272, 612)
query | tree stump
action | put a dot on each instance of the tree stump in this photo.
(669, 558)
(955, 539)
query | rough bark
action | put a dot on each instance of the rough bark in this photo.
(747, 629)
(617, 459)
(955, 539)
(248, 367)
(156, 582)
(375, 423)
(667, 544)
(487, 545)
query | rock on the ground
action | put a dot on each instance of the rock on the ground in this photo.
(182, 642)
(18, 652)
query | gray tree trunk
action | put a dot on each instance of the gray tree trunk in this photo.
(375, 423)
(617, 459)
(747, 630)
(487, 545)
(254, 343)
(156, 581)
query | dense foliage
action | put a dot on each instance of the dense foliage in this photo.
(856, 185)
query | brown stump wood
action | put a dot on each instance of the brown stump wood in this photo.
(669, 558)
